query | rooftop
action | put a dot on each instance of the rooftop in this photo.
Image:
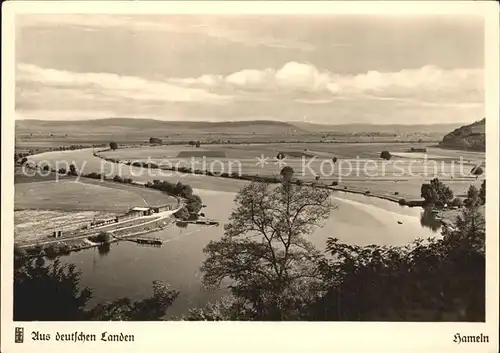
(140, 209)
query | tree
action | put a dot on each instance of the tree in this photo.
(183, 190)
(227, 308)
(155, 140)
(264, 252)
(482, 192)
(48, 293)
(469, 225)
(473, 197)
(198, 144)
(436, 279)
(182, 214)
(385, 155)
(287, 173)
(478, 170)
(103, 237)
(192, 143)
(194, 203)
(436, 193)
(113, 145)
(280, 155)
(72, 170)
(334, 159)
(149, 309)
(51, 293)
(457, 202)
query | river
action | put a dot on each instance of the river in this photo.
(128, 269)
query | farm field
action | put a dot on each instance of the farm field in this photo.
(86, 162)
(68, 195)
(392, 176)
(150, 197)
(407, 189)
(33, 225)
(41, 207)
(340, 150)
(354, 161)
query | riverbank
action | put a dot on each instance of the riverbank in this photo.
(346, 187)
(448, 217)
(69, 245)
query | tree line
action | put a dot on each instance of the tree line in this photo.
(437, 193)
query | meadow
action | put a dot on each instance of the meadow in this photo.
(34, 225)
(68, 195)
(332, 162)
(68, 204)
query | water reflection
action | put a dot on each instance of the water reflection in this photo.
(104, 249)
(130, 268)
(428, 220)
(181, 224)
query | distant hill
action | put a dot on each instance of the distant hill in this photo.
(155, 127)
(468, 137)
(376, 128)
(159, 128)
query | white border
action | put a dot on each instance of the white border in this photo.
(256, 337)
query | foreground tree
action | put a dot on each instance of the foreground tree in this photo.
(272, 268)
(51, 292)
(469, 229)
(482, 192)
(48, 293)
(473, 199)
(432, 280)
(124, 309)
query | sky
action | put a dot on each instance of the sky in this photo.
(331, 69)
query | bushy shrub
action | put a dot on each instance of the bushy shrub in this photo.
(385, 155)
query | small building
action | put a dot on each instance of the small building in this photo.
(145, 211)
(57, 233)
(161, 208)
(102, 222)
(127, 216)
(421, 150)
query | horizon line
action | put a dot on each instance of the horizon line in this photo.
(243, 121)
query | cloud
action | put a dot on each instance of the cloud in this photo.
(111, 86)
(428, 83)
(424, 95)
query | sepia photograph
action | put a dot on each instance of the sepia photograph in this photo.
(260, 167)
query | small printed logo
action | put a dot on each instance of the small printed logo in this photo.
(19, 335)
